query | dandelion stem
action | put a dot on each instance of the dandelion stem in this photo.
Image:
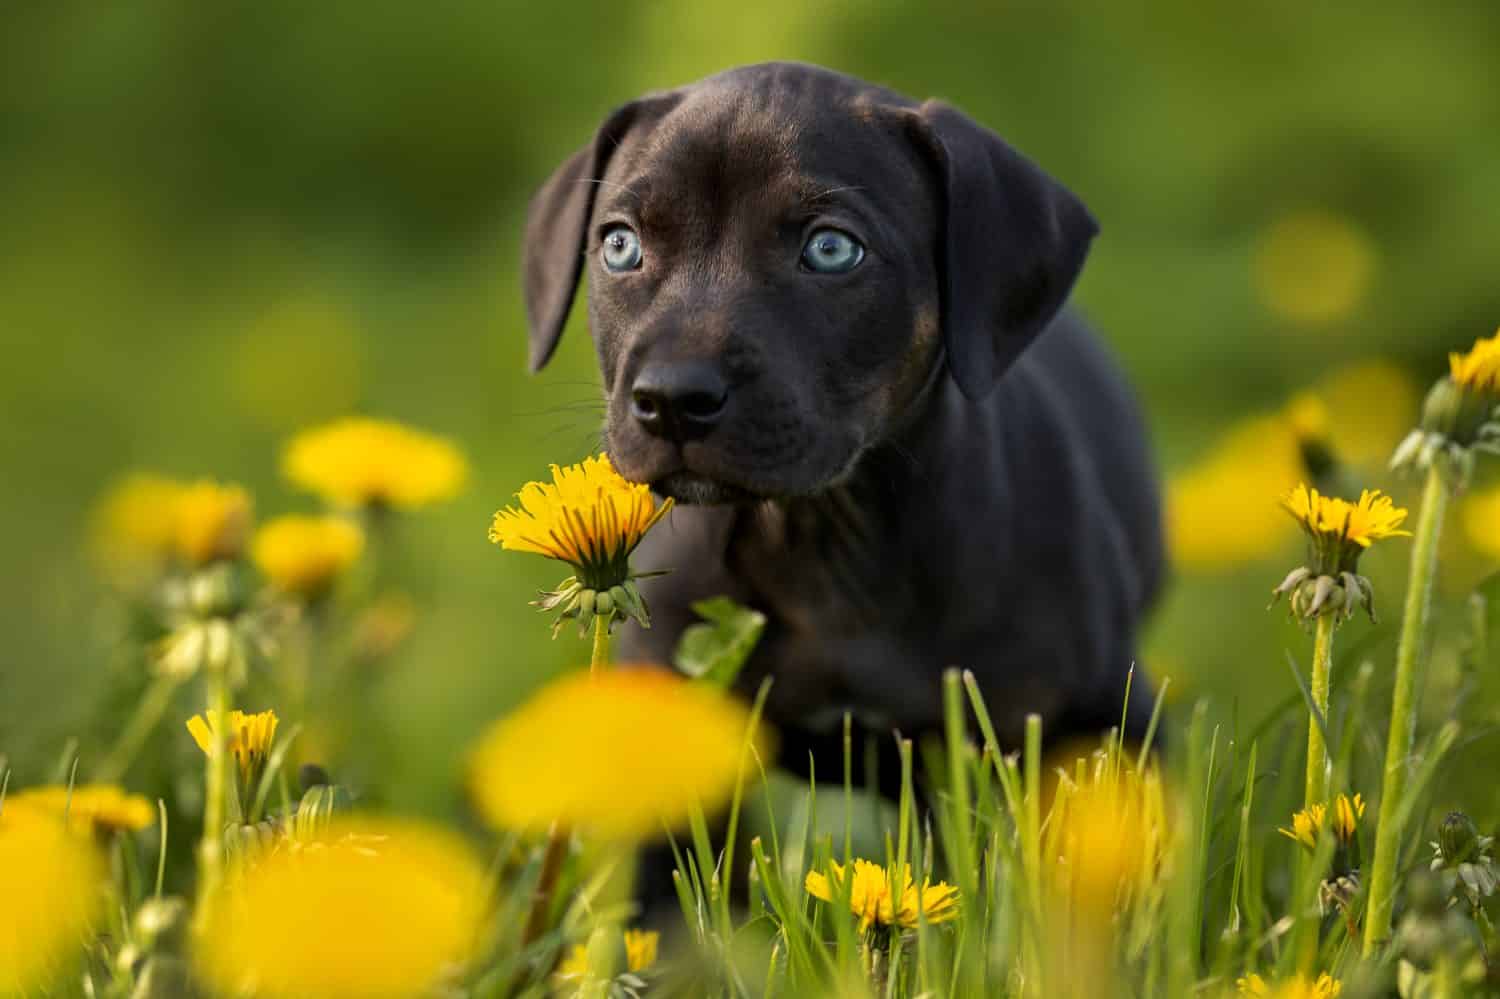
(1404, 707)
(211, 847)
(1317, 752)
(600, 657)
(556, 848)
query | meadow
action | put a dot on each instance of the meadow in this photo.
(1038, 870)
(229, 229)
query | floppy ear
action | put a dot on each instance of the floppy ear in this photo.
(1011, 245)
(557, 226)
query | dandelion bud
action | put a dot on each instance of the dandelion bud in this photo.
(591, 518)
(1458, 416)
(218, 645)
(1459, 839)
(159, 922)
(216, 591)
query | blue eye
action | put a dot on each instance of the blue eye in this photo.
(832, 251)
(622, 249)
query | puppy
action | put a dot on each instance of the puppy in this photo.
(828, 320)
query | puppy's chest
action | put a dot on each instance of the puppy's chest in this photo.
(845, 627)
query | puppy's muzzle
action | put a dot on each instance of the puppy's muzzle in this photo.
(678, 401)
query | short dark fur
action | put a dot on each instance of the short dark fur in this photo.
(919, 464)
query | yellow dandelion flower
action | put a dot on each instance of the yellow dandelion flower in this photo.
(1307, 824)
(871, 897)
(103, 808)
(359, 462)
(592, 518)
(52, 877)
(640, 947)
(1347, 812)
(1478, 369)
(304, 555)
(618, 753)
(589, 516)
(249, 737)
(1313, 266)
(135, 521)
(210, 521)
(1374, 517)
(363, 907)
(575, 964)
(1338, 532)
(1325, 986)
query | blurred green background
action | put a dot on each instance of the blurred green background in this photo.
(223, 222)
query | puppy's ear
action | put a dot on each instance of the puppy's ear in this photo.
(557, 225)
(1012, 242)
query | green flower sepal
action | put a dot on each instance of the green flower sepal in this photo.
(1455, 424)
(1310, 594)
(574, 599)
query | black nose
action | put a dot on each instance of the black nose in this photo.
(680, 402)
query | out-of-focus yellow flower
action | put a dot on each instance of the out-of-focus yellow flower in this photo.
(364, 907)
(1370, 406)
(1354, 416)
(640, 954)
(211, 521)
(135, 521)
(52, 877)
(871, 897)
(618, 753)
(1111, 836)
(1478, 369)
(1308, 823)
(1480, 515)
(305, 554)
(575, 965)
(359, 462)
(103, 808)
(640, 949)
(249, 737)
(1216, 510)
(1313, 266)
(1325, 986)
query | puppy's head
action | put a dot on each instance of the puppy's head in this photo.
(780, 259)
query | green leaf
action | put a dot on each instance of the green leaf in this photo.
(714, 650)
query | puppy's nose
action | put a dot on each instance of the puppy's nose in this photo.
(678, 401)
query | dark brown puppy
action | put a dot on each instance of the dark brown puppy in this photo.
(827, 319)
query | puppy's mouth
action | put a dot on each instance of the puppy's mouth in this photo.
(691, 487)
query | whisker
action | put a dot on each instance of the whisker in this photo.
(813, 199)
